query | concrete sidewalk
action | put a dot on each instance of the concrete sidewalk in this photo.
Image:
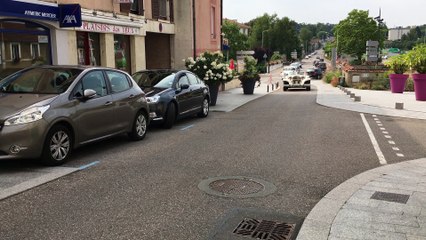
(231, 99)
(373, 102)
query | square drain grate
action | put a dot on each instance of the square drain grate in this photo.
(263, 229)
(391, 197)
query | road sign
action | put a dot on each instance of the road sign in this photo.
(245, 52)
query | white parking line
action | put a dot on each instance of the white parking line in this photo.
(379, 152)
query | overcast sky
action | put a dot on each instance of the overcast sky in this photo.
(394, 12)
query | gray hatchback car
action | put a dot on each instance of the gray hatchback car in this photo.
(46, 111)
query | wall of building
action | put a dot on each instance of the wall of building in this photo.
(182, 41)
(208, 36)
(396, 33)
(172, 39)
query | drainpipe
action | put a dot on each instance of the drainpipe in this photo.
(221, 24)
(194, 28)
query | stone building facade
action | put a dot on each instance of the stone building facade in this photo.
(127, 34)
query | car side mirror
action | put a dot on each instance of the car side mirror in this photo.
(184, 86)
(89, 93)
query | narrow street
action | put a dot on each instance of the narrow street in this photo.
(149, 189)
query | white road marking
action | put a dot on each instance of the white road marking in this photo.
(382, 128)
(378, 122)
(391, 142)
(379, 152)
(376, 119)
(400, 155)
(387, 136)
(395, 148)
(380, 125)
(385, 132)
(374, 115)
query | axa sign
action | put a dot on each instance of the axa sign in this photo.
(69, 15)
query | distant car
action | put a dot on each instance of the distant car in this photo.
(46, 111)
(296, 80)
(297, 65)
(322, 66)
(287, 70)
(175, 95)
(314, 73)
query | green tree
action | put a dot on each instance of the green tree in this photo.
(353, 32)
(261, 26)
(305, 36)
(284, 37)
(322, 35)
(237, 41)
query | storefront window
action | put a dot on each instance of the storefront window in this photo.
(122, 52)
(22, 44)
(88, 48)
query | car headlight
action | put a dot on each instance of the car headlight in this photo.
(27, 116)
(153, 99)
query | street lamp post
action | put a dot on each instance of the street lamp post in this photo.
(379, 20)
(263, 32)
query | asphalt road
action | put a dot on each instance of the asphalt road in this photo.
(149, 189)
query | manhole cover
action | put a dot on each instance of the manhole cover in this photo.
(264, 229)
(237, 187)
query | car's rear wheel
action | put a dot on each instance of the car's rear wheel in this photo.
(57, 146)
(170, 116)
(204, 108)
(139, 128)
(285, 89)
(308, 88)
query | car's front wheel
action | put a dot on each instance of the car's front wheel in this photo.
(139, 128)
(57, 146)
(170, 116)
(204, 108)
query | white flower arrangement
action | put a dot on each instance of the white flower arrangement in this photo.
(210, 66)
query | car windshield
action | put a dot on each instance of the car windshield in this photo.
(149, 78)
(40, 81)
(166, 82)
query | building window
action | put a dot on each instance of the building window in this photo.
(137, 7)
(162, 9)
(35, 50)
(213, 22)
(134, 6)
(15, 51)
(122, 52)
(88, 51)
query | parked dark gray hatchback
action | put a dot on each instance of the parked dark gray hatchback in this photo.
(46, 111)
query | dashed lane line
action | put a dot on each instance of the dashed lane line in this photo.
(373, 140)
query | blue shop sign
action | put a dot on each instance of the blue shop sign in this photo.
(69, 15)
(17, 8)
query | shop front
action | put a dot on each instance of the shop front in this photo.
(111, 45)
(26, 29)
